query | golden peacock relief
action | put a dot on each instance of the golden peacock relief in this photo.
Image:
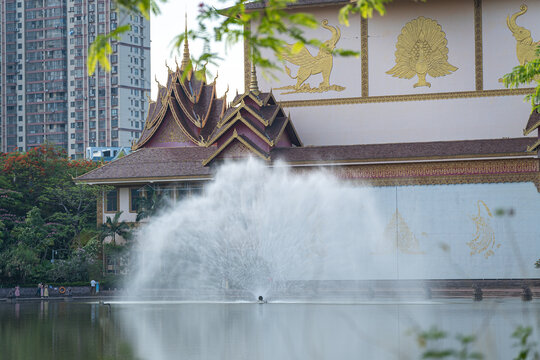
(484, 237)
(525, 47)
(309, 65)
(421, 50)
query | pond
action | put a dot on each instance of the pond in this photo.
(176, 330)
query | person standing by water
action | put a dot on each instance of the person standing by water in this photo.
(93, 287)
(41, 290)
(97, 287)
(38, 290)
(17, 291)
(46, 291)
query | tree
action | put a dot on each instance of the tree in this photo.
(525, 75)
(149, 204)
(42, 210)
(273, 24)
(263, 28)
(113, 227)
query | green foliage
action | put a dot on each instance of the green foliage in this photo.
(78, 266)
(430, 340)
(264, 29)
(537, 264)
(525, 75)
(101, 48)
(43, 211)
(113, 226)
(527, 349)
(149, 204)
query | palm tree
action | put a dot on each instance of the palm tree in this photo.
(113, 227)
(149, 204)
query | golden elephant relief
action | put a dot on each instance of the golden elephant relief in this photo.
(525, 47)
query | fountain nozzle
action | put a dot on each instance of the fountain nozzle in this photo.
(261, 300)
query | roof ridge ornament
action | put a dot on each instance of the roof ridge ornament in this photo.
(156, 80)
(253, 84)
(186, 60)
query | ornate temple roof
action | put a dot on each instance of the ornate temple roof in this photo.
(177, 163)
(533, 124)
(188, 113)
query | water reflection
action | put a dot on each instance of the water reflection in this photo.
(320, 331)
(58, 330)
(71, 330)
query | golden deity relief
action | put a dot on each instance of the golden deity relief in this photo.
(398, 235)
(310, 65)
(421, 50)
(525, 47)
(484, 238)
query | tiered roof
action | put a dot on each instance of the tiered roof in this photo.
(188, 113)
(533, 124)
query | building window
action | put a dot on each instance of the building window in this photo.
(134, 199)
(111, 203)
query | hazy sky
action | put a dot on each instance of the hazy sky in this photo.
(170, 23)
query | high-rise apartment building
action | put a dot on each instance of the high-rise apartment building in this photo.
(46, 92)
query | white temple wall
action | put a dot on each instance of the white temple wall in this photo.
(124, 205)
(411, 121)
(473, 231)
(466, 231)
(371, 108)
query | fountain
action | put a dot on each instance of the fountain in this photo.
(259, 231)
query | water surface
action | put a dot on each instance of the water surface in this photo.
(173, 330)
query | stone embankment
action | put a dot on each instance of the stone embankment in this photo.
(29, 294)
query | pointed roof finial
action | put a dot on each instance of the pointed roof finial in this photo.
(155, 78)
(186, 58)
(253, 84)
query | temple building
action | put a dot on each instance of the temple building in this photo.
(421, 114)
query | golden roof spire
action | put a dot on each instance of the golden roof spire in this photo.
(253, 84)
(186, 58)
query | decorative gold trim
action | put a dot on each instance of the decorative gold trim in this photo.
(534, 146)
(247, 58)
(411, 97)
(203, 123)
(532, 128)
(364, 56)
(144, 180)
(257, 100)
(252, 112)
(154, 126)
(478, 46)
(228, 125)
(229, 140)
(177, 120)
(496, 167)
(456, 180)
(403, 174)
(428, 159)
(187, 113)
